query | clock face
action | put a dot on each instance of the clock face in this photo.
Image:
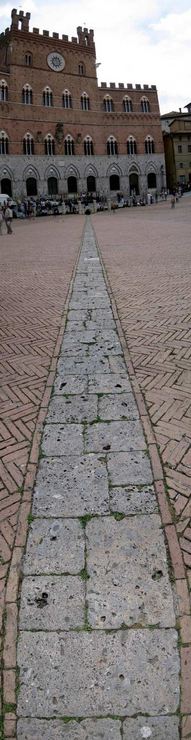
(56, 61)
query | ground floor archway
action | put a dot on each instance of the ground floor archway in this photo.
(72, 185)
(114, 182)
(91, 184)
(134, 183)
(151, 180)
(31, 186)
(6, 186)
(52, 186)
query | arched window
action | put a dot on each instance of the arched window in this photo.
(145, 105)
(47, 97)
(49, 145)
(69, 145)
(114, 182)
(108, 104)
(3, 91)
(131, 145)
(27, 96)
(127, 104)
(28, 59)
(112, 147)
(91, 184)
(149, 145)
(67, 99)
(85, 101)
(28, 144)
(88, 146)
(81, 70)
(151, 180)
(31, 186)
(72, 185)
(52, 186)
(4, 143)
(134, 183)
(6, 186)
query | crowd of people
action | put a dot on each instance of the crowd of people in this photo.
(85, 203)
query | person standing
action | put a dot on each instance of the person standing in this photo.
(1, 220)
(8, 215)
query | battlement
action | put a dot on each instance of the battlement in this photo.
(121, 86)
(20, 22)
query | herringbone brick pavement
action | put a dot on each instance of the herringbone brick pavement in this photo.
(147, 255)
(36, 269)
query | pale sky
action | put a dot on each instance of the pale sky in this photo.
(138, 41)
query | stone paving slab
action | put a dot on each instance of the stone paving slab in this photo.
(133, 500)
(87, 302)
(94, 673)
(129, 467)
(70, 384)
(52, 602)
(54, 546)
(71, 366)
(100, 318)
(73, 409)
(99, 383)
(115, 435)
(153, 728)
(94, 729)
(117, 364)
(114, 406)
(73, 487)
(63, 439)
(127, 565)
(77, 338)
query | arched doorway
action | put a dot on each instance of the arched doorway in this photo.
(31, 186)
(134, 183)
(114, 182)
(72, 185)
(151, 180)
(6, 186)
(91, 184)
(52, 186)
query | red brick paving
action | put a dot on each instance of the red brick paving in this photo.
(36, 270)
(147, 257)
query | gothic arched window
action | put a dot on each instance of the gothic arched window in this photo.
(112, 147)
(28, 144)
(108, 104)
(88, 146)
(131, 145)
(149, 145)
(47, 97)
(4, 143)
(49, 145)
(145, 105)
(127, 104)
(27, 96)
(68, 145)
(67, 99)
(85, 101)
(3, 91)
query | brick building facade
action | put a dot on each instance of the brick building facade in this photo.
(62, 133)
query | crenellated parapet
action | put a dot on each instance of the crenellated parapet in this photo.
(20, 22)
(129, 86)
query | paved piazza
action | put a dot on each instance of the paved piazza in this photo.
(96, 467)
